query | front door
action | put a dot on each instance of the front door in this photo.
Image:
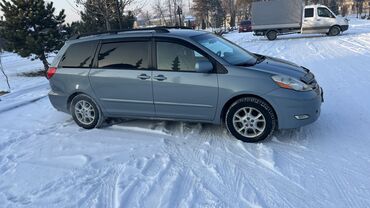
(122, 79)
(179, 90)
(325, 19)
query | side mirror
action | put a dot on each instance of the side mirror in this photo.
(204, 67)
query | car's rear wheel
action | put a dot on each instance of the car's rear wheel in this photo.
(334, 31)
(271, 35)
(85, 112)
(250, 120)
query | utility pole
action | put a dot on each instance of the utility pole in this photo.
(118, 10)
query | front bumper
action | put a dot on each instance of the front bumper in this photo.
(296, 109)
(344, 27)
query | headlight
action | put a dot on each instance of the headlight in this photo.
(290, 83)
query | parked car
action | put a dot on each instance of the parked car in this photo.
(181, 74)
(280, 17)
(245, 26)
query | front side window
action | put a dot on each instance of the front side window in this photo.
(124, 55)
(228, 51)
(177, 57)
(308, 12)
(324, 12)
(79, 55)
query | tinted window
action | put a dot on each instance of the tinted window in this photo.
(324, 12)
(124, 55)
(176, 57)
(245, 23)
(308, 12)
(79, 55)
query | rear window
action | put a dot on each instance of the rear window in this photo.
(124, 55)
(308, 12)
(245, 23)
(79, 55)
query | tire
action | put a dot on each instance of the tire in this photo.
(88, 109)
(334, 31)
(247, 123)
(271, 35)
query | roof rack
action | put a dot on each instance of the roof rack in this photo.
(113, 32)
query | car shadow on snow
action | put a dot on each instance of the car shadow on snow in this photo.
(203, 131)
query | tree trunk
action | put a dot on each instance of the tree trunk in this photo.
(45, 62)
(232, 19)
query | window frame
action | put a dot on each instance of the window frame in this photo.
(332, 15)
(123, 40)
(217, 68)
(95, 46)
(313, 12)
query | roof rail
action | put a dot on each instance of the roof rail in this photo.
(112, 32)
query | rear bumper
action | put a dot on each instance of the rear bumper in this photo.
(58, 101)
(344, 27)
(295, 109)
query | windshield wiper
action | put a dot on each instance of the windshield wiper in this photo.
(260, 59)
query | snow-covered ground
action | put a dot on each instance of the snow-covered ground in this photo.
(47, 161)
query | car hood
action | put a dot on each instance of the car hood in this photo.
(280, 66)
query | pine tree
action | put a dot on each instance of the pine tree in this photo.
(176, 64)
(30, 27)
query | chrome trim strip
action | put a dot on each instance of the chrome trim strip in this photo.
(184, 104)
(126, 101)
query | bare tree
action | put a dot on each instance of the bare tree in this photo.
(230, 8)
(243, 10)
(160, 11)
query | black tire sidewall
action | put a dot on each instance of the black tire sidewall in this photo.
(273, 34)
(96, 109)
(258, 104)
(331, 31)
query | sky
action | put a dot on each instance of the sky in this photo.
(72, 10)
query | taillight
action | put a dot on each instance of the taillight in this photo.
(51, 71)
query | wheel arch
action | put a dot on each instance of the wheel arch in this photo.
(336, 25)
(228, 104)
(70, 98)
(73, 95)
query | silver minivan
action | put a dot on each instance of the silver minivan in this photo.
(181, 74)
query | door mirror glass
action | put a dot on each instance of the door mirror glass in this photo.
(203, 66)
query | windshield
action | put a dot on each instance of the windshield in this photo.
(228, 51)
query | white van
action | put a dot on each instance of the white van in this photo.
(280, 17)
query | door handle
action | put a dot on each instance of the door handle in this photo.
(160, 78)
(143, 77)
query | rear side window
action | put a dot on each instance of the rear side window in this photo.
(124, 55)
(308, 12)
(79, 55)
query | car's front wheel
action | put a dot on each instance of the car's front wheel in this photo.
(85, 112)
(250, 119)
(334, 31)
